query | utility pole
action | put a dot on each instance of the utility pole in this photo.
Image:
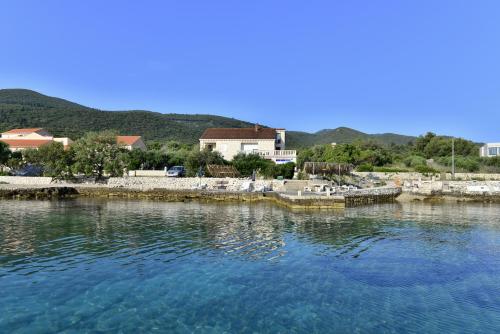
(453, 158)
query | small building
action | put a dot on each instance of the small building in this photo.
(24, 144)
(30, 138)
(267, 142)
(490, 150)
(131, 142)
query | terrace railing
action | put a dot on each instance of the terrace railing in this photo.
(276, 153)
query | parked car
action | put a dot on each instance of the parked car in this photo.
(29, 170)
(176, 171)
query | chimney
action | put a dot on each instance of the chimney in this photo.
(257, 127)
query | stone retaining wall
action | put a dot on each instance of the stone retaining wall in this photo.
(370, 196)
(428, 177)
(454, 188)
(185, 183)
(147, 173)
(26, 180)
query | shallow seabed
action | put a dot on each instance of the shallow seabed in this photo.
(131, 266)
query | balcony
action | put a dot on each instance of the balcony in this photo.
(277, 155)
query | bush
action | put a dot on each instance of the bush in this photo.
(286, 170)
(423, 169)
(414, 161)
(390, 170)
(365, 168)
(468, 164)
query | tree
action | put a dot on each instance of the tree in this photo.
(247, 163)
(55, 160)
(4, 153)
(98, 152)
(152, 159)
(15, 161)
(197, 159)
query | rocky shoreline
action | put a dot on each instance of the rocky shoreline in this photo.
(311, 201)
(290, 194)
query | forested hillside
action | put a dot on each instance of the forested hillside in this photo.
(25, 108)
(21, 108)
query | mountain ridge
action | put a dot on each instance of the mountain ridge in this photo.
(27, 108)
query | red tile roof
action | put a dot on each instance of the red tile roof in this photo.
(127, 140)
(26, 143)
(23, 131)
(239, 133)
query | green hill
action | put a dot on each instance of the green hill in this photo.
(342, 135)
(21, 108)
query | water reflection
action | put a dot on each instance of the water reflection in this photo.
(52, 230)
(87, 265)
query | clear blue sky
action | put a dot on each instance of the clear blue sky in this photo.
(378, 66)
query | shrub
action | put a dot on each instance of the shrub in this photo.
(414, 161)
(468, 164)
(366, 167)
(286, 170)
(423, 169)
(390, 170)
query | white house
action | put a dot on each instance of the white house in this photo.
(267, 142)
(21, 139)
(490, 150)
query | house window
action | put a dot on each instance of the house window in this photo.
(492, 151)
(249, 147)
(278, 138)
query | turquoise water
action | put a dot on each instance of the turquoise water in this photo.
(133, 267)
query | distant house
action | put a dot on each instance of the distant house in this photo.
(267, 142)
(30, 133)
(21, 139)
(131, 142)
(490, 150)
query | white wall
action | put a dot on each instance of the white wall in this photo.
(23, 180)
(231, 147)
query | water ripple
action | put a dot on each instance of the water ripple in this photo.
(129, 266)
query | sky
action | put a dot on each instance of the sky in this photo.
(377, 66)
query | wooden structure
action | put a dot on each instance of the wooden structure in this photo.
(222, 171)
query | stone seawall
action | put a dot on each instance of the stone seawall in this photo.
(478, 191)
(169, 195)
(38, 193)
(372, 196)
